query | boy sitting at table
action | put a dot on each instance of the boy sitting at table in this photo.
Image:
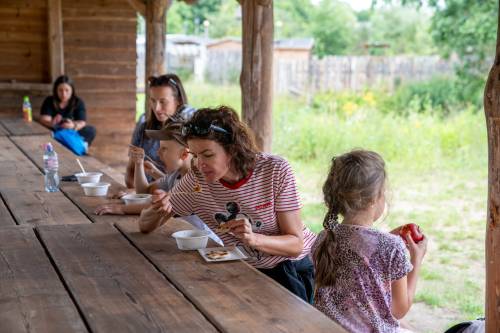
(175, 156)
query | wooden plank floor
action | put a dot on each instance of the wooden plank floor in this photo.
(32, 298)
(117, 289)
(17, 126)
(23, 191)
(232, 295)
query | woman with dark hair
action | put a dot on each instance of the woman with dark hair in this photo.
(167, 99)
(64, 109)
(248, 198)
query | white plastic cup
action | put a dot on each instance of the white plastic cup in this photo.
(191, 239)
(95, 189)
(88, 177)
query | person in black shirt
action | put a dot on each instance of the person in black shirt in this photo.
(66, 110)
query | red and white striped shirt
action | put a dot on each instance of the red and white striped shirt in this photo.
(269, 189)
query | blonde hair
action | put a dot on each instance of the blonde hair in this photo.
(355, 181)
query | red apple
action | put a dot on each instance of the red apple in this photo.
(414, 231)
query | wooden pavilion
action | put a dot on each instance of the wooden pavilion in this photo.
(94, 42)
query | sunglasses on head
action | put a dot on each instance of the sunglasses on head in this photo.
(202, 129)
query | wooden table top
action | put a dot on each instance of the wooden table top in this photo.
(64, 269)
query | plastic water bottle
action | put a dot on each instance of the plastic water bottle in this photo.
(50, 167)
(27, 115)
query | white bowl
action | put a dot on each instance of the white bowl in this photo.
(95, 189)
(191, 239)
(88, 177)
(136, 199)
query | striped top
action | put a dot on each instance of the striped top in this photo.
(270, 188)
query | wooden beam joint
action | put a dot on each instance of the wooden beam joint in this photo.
(139, 6)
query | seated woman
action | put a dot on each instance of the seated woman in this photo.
(64, 109)
(247, 197)
(167, 98)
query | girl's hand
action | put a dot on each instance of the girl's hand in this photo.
(396, 230)
(114, 209)
(242, 229)
(161, 202)
(417, 250)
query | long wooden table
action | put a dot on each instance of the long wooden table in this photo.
(64, 269)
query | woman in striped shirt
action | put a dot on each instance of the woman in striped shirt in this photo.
(247, 197)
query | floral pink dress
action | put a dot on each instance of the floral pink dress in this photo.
(369, 260)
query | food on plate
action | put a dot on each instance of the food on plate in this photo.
(217, 254)
(223, 228)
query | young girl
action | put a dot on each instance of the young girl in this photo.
(364, 280)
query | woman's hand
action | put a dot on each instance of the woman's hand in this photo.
(68, 123)
(242, 229)
(136, 154)
(56, 120)
(417, 250)
(161, 202)
(113, 209)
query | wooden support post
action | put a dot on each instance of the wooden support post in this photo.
(257, 69)
(156, 28)
(492, 113)
(56, 46)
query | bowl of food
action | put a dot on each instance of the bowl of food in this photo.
(191, 239)
(88, 177)
(95, 189)
(132, 198)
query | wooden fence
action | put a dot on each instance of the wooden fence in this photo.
(332, 73)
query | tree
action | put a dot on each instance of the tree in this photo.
(189, 19)
(466, 28)
(227, 21)
(333, 25)
(404, 30)
(293, 18)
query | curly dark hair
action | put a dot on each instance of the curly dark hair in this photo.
(236, 137)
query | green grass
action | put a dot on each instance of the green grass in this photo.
(437, 170)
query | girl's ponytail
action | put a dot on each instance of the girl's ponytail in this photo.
(324, 256)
